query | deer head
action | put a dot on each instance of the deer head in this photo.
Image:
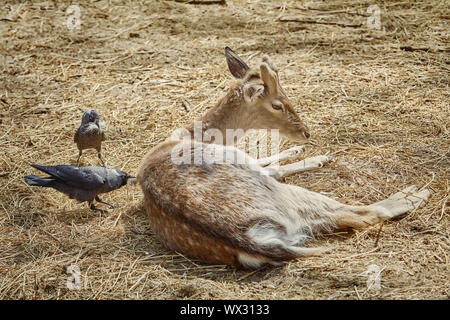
(266, 103)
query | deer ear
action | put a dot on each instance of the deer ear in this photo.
(238, 68)
(253, 91)
(269, 77)
(266, 59)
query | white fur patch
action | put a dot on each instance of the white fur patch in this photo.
(250, 261)
(265, 235)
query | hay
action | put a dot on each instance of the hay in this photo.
(150, 68)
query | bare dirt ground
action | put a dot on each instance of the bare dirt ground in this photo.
(376, 99)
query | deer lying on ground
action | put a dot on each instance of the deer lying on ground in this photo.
(239, 213)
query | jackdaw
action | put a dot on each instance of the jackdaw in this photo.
(80, 183)
(90, 134)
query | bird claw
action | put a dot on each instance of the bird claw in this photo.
(97, 198)
(94, 208)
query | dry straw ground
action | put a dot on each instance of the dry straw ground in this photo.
(150, 67)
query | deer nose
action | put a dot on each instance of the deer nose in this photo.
(306, 134)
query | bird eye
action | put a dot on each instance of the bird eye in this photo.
(277, 105)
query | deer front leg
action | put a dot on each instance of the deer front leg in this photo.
(304, 165)
(290, 153)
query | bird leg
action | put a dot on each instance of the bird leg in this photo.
(79, 156)
(100, 157)
(94, 208)
(101, 201)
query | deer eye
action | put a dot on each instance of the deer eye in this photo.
(277, 105)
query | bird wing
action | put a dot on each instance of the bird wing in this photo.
(84, 178)
(76, 136)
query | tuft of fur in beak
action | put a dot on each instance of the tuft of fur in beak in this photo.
(132, 181)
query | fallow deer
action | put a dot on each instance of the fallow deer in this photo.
(238, 214)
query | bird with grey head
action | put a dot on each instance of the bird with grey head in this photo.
(90, 134)
(80, 183)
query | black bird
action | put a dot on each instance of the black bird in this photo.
(80, 183)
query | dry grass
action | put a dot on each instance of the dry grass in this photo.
(150, 67)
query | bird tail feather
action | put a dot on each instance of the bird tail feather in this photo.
(33, 180)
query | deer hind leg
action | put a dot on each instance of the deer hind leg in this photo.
(397, 204)
(401, 202)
